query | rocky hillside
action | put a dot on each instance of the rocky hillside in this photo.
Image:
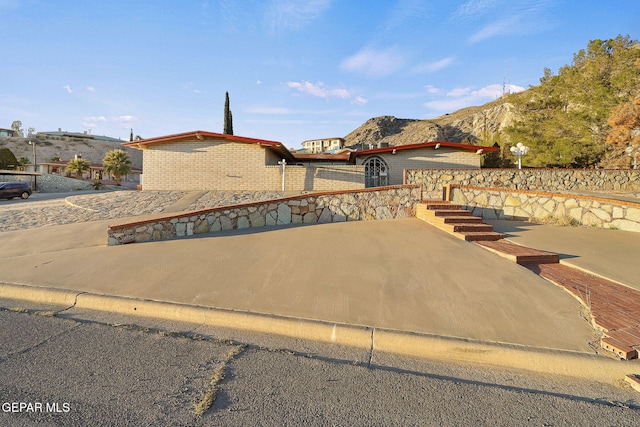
(469, 125)
(91, 150)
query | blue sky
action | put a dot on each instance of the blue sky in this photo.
(294, 69)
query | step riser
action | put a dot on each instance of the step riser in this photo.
(480, 237)
(456, 221)
(461, 228)
(452, 213)
(440, 211)
(550, 259)
(435, 207)
(461, 220)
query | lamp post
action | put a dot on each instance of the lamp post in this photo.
(283, 163)
(35, 166)
(520, 150)
(633, 150)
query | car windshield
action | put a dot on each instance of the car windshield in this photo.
(2, 184)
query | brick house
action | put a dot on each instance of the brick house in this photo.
(201, 160)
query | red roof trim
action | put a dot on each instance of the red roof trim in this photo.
(319, 156)
(198, 134)
(430, 144)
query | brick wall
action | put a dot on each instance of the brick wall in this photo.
(442, 158)
(317, 178)
(223, 165)
(205, 165)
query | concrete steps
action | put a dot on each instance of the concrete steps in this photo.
(456, 221)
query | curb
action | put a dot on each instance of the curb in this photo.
(413, 344)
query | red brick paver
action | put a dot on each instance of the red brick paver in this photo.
(615, 308)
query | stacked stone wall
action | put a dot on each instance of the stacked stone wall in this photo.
(492, 203)
(552, 180)
(355, 205)
(51, 183)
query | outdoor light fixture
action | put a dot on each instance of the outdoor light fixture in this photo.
(480, 151)
(35, 166)
(633, 150)
(283, 163)
(520, 150)
(437, 146)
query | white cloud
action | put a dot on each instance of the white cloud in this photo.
(359, 101)
(319, 90)
(505, 26)
(124, 121)
(515, 17)
(90, 89)
(496, 91)
(432, 90)
(67, 88)
(474, 8)
(463, 97)
(96, 119)
(447, 104)
(374, 63)
(293, 15)
(432, 67)
(460, 91)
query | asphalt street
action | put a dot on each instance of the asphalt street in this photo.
(57, 371)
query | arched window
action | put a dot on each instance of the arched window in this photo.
(376, 172)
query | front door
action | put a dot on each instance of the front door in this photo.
(376, 172)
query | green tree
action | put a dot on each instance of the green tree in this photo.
(564, 119)
(77, 166)
(22, 161)
(7, 159)
(117, 163)
(228, 117)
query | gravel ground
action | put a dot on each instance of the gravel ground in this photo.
(118, 204)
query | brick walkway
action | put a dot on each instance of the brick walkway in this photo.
(614, 308)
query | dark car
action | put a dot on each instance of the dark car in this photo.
(9, 190)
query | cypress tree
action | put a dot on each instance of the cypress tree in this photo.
(228, 117)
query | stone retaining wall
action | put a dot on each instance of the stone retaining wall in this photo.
(51, 183)
(354, 205)
(561, 180)
(493, 203)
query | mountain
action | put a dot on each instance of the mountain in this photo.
(472, 124)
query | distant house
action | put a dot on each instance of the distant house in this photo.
(7, 133)
(201, 160)
(323, 145)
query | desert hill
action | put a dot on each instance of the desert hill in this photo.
(467, 125)
(92, 150)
